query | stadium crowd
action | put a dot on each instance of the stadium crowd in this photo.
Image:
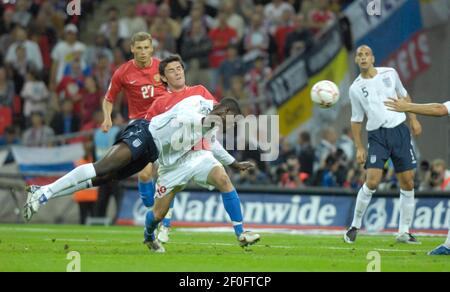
(52, 83)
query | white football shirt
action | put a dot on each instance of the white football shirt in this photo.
(178, 130)
(447, 105)
(367, 97)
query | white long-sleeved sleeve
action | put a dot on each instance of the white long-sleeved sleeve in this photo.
(221, 154)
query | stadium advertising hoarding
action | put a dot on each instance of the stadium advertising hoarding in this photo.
(293, 211)
(290, 87)
(404, 48)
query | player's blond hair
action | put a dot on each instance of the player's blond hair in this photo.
(141, 36)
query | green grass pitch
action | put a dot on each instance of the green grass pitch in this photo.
(45, 248)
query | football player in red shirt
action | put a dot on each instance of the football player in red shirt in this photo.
(140, 81)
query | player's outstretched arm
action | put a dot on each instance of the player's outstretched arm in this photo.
(430, 109)
(107, 110)
(360, 149)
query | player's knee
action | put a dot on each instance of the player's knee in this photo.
(145, 176)
(223, 182)
(372, 183)
(407, 185)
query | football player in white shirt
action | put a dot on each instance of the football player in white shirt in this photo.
(388, 137)
(430, 109)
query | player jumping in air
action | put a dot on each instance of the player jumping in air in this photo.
(431, 109)
(140, 81)
(388, 137)
(200, 165)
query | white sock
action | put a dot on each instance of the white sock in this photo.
(407, 208)
(362, 201)
(78, 187)
(79, 174)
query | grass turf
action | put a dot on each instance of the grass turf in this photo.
(45, 248)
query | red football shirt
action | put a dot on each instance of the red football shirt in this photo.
(165, 103)
(142, 86)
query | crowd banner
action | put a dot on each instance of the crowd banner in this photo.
(434, 12)
(290, 87)
(405, 47)
(298, 211)
(57, 160)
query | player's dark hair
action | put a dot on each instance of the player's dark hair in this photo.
(231, 104)
(164, 62)
(141, 36)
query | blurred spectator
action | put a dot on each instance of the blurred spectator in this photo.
(326, 147)
(132, 22)
(221, 37)
(146, 8)
(63, 53)
(20, 67)
(7, 90)
(71, 86)
(273, 12)
(97, 50)
(35, 94)
(345, 142)
(230, 67)
(197, 13)
(66, 121)
(87, 198)
(114, 39)
(281, 32)
(102, 72)
(32, 52)
(159, 51)
(355, 177)
(21, 14)
(38, 135)
(7, 23)
(255, 81)
(10, 137)
(301, 38)
(438, 178)
(256, 40)
(292, 177)
(329, 179)
(253, 176)
(195, 49)
(113, 26)
(91, 99)
(173, 27)
(306, 153)
(234, 20)
(321, 18)
(161, 32)
(43, 34)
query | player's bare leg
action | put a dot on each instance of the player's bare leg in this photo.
(81, 177)
(373, 179)
(407, 207)
(220, 179)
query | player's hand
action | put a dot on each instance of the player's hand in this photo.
(243, 165)
(361, 155)
(416, 127)
(106, 125)
(397, 105)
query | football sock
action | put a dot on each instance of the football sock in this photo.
(150, 225)
(232, 205)
(79, 174)
(78, 187)
(407, 207)
(147, 192)
(362, 201)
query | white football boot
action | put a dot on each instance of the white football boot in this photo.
(33, 201)
(163, 234)
(248, 238)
